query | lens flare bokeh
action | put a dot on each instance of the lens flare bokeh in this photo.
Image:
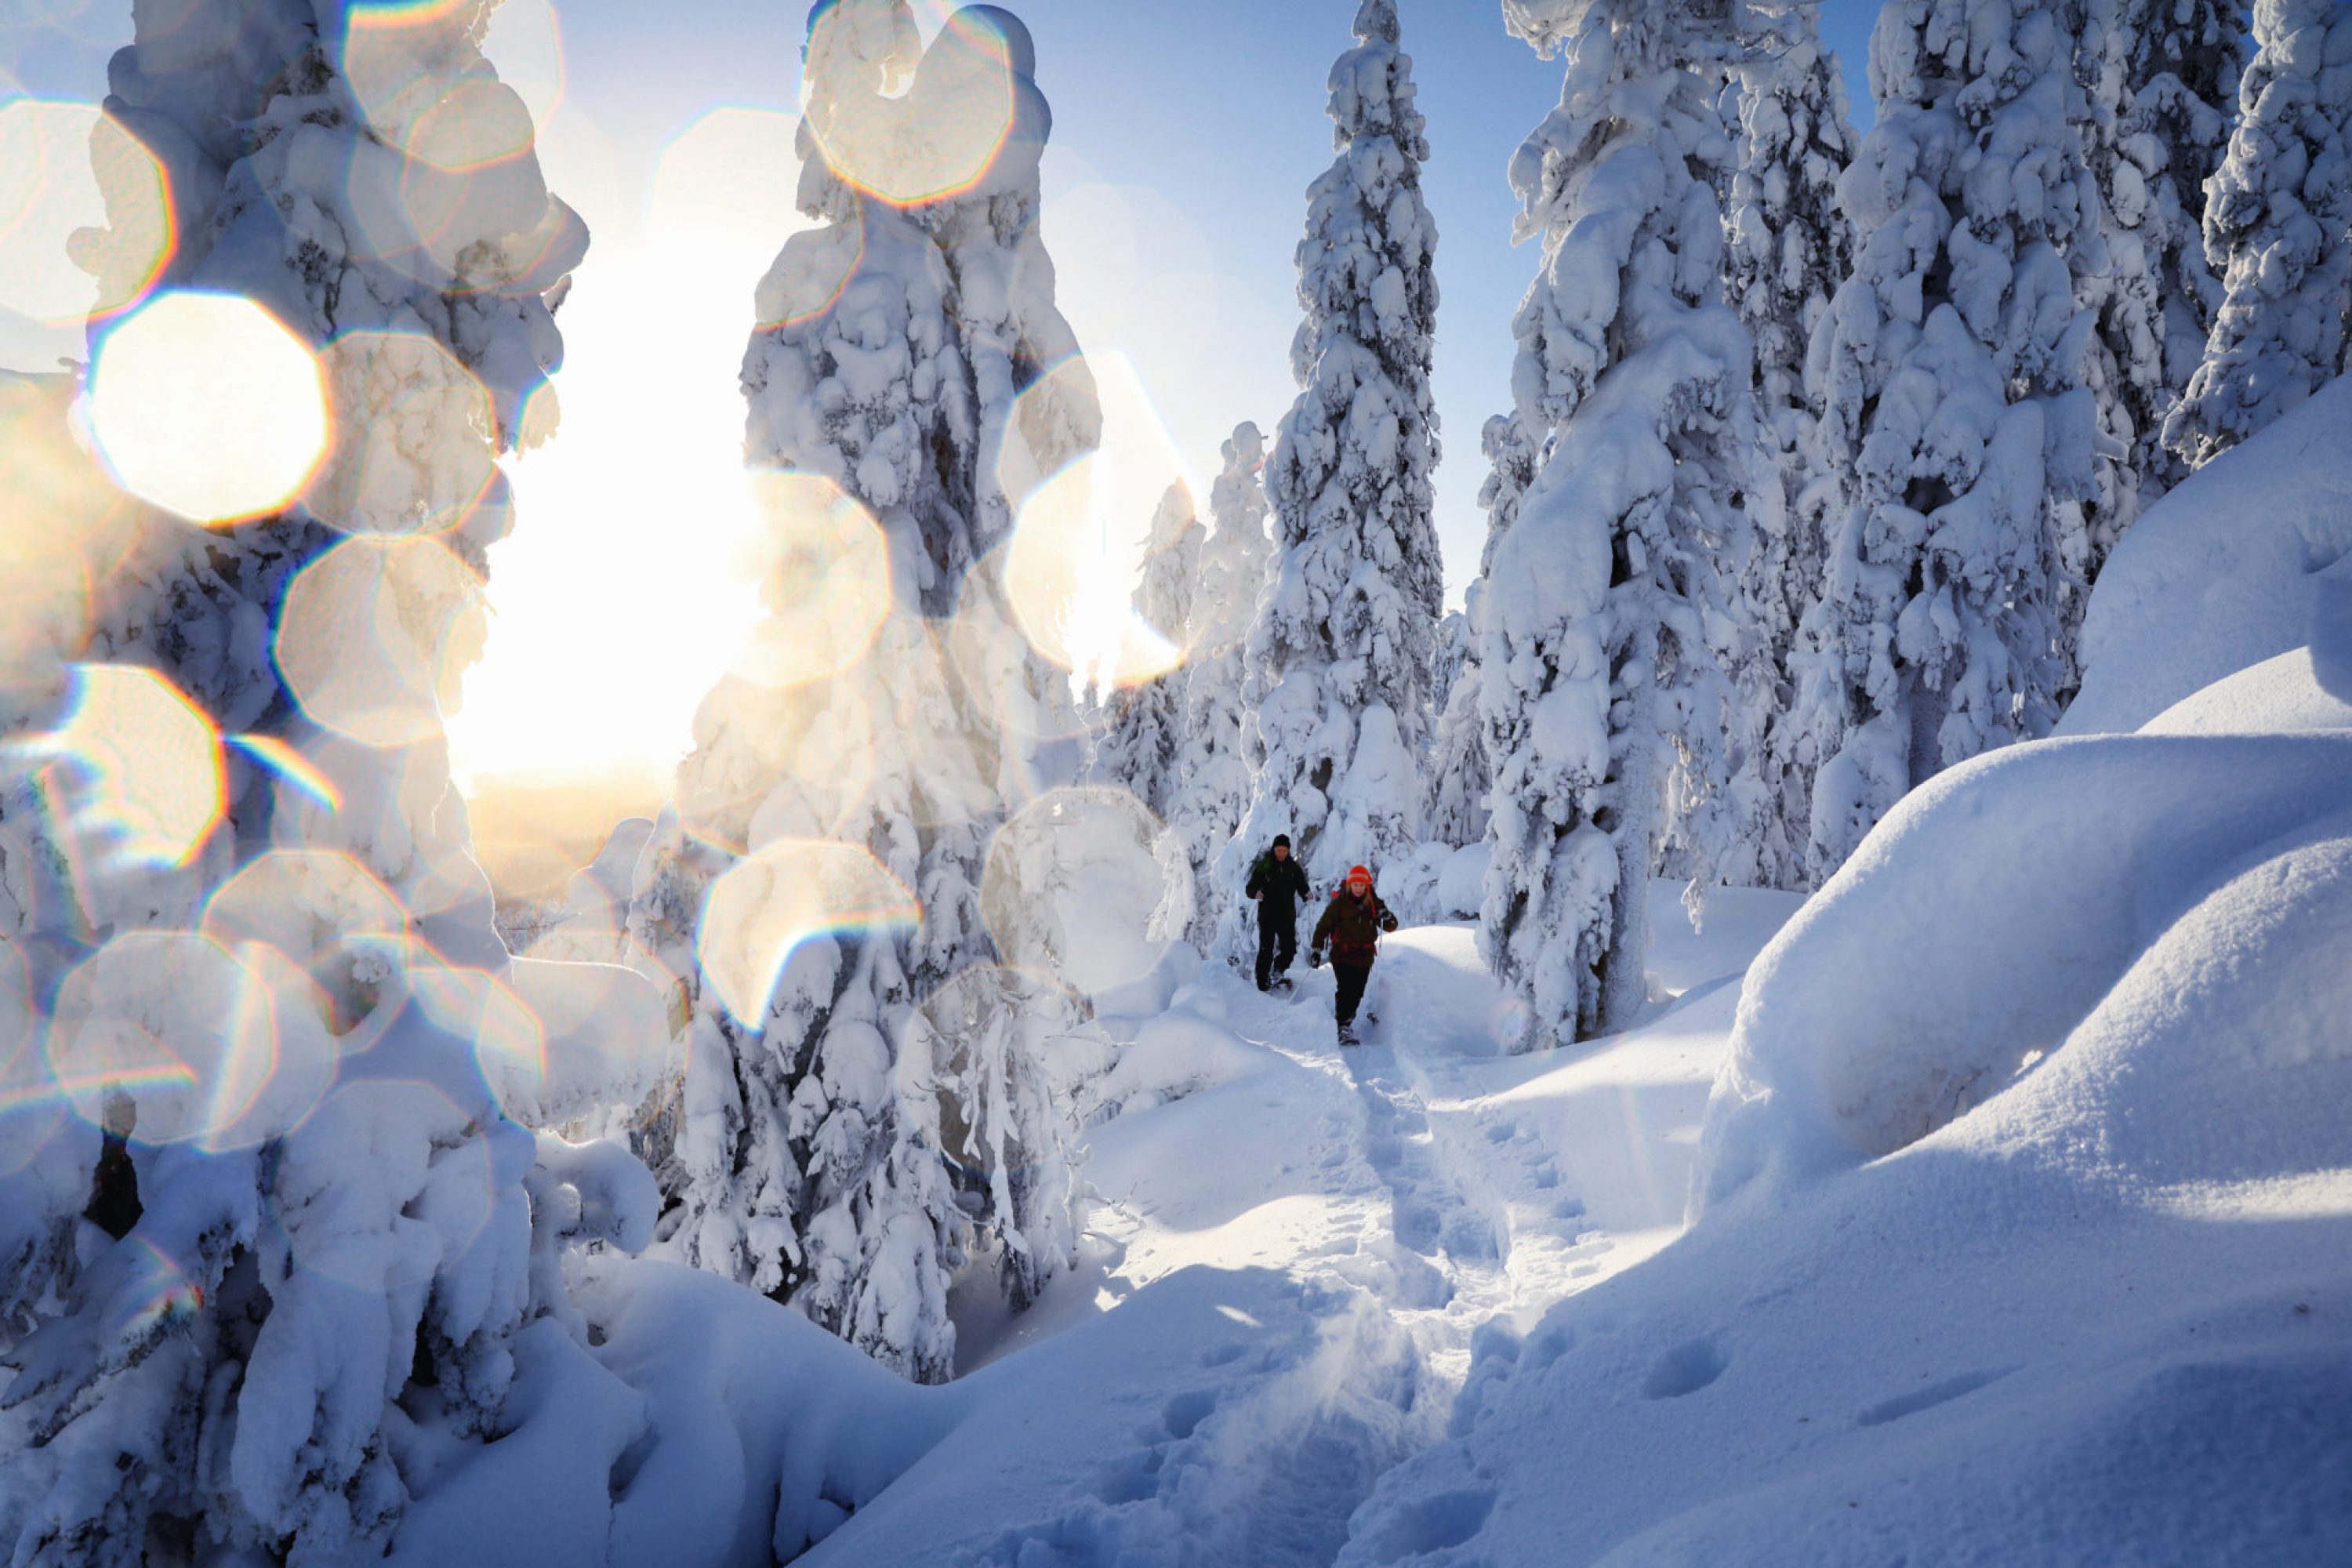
(31, 1108)
(66, 529)
(821, 737)
(374, 633)
(134, 772)
(938, 139)
(172, 1038)
(157, 1287)
(525, 42)
(509, 1043)
(448, 164)
(1082, 532)
(824, 572)
(323, 910)
(290, 767)
(1070, 885)
(86, 219)
(413, 432)
(766, 907)
(208, 406)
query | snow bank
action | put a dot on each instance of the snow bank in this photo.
(2022, 1211)
(2223, 573)
(2099, 1315)
(706, 1425)
(2024, 1208)
(1979, 928)
(2281, 696)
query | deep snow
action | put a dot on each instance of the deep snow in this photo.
(2019, 1214)
(1286, 1273)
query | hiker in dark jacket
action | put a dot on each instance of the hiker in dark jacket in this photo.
(1279, 883)
(1350, 927)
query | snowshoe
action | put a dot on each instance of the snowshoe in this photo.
(1347, 1036)
(1283, 986)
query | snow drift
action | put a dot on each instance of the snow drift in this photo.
(2226, 572)
(2022, 1213)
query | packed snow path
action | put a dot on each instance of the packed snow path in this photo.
(1284, 1273)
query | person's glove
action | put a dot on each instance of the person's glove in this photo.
(1314, 958)
(1388, 922)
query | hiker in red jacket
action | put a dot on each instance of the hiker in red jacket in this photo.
(1350, 927)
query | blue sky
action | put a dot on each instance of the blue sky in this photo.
(1218, 106)
(1184, 138)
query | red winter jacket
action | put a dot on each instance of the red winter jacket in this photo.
(1351, 927)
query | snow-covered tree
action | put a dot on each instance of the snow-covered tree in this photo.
(1455, 812)
(1339, 657)
(2278, 227)
(1595, 654)
(1219, 749)
(280, 1241)
(2162, 85)
(1460, 770)
(1951, 369)
(1141, 749)
(1788, 248)
(903, 364)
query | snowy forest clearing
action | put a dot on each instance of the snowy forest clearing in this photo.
(1285, 1277)
(1924, 549)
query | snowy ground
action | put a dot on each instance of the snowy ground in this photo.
(1285, 1276)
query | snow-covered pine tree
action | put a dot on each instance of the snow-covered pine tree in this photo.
(335, 1250)
(1219, 752)
(1141, 749)
(2278, 227)
(1460, 770)
(1951, 368)
(1457, 773)
(2162, 94)
(905, 347)
(1595, 655)
(1788, 248)
(1339, 657)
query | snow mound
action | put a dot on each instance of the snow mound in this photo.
(2024, 1209)
(1978, 929)
(2281, 696)
(2222, 573)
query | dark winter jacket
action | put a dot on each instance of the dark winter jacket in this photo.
(1351, 927)
(1279, 887)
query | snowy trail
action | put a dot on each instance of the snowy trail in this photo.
(1285, 1274)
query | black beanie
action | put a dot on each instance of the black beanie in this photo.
(1282, 841)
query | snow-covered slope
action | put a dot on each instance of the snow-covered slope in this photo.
(1289, 1270)
(2023, 1207)
(2224, 573)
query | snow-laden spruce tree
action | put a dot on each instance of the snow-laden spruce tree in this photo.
(278, 1243)
(1339, 657)
(1598, 670)
(1459, 773)
(1139, 750)
(1952, 369)
(2278, 227)
(903, 354)
(1454, 812)
(1788, 245)
(1219, 750)
(2161, 99)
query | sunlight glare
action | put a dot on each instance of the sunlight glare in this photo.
(375, 633)
(208, 406)
(764, 909)
(85, 221)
